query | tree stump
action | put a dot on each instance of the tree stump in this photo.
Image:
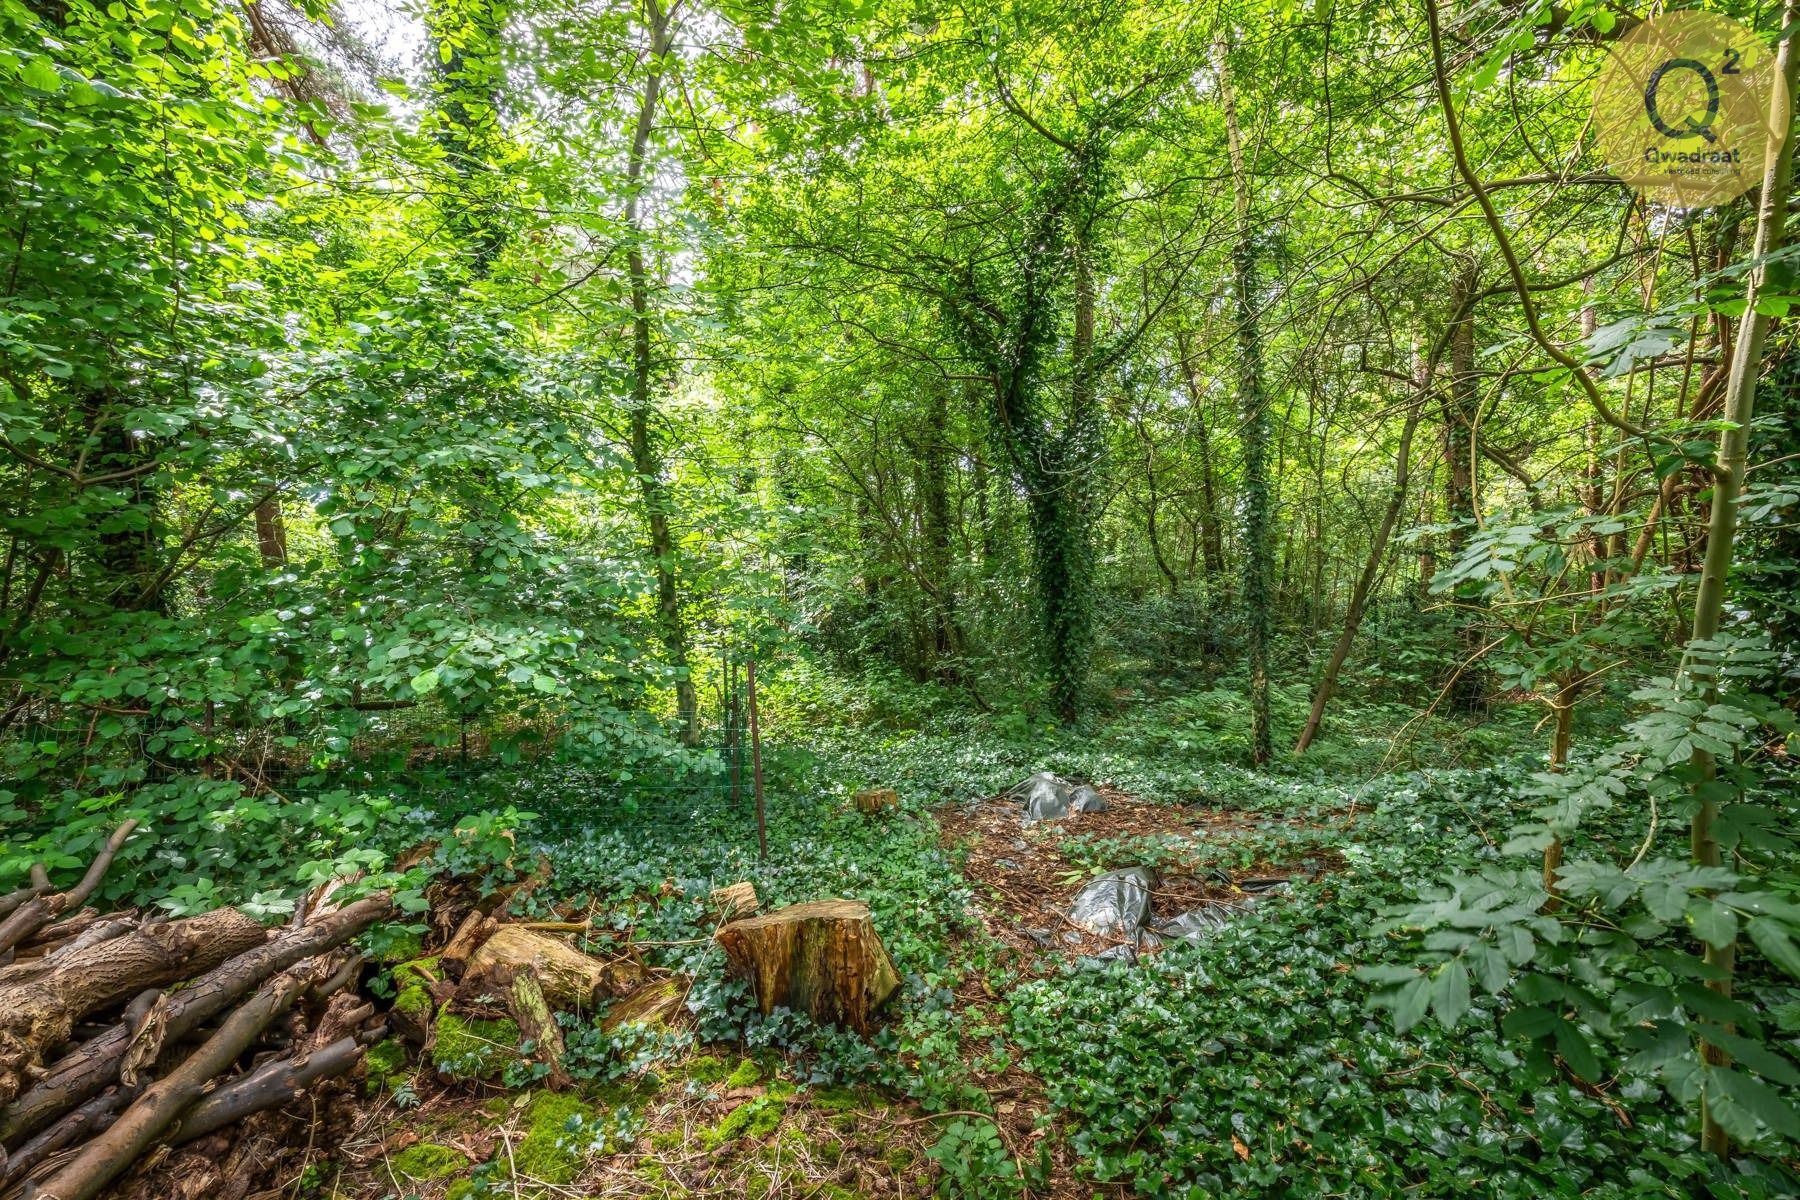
(823, 959)
(872, 802)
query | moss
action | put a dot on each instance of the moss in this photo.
(473, 1048)
(385, 1064)
(754, 1119)
(409, 943)
(781, 1089)
(623, 1093)
(899, 1158)
(462, 1189)
(835, 1099)
(702, 1068)
(748, 1074)
(414, 1003)
(428, 1160)
(553, 1150)
(416, 971)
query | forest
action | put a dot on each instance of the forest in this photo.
(898, 598)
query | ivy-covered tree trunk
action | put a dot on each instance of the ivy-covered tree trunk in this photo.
(646, 459)
(465, 35)
(1467, 687)
(1258, 559)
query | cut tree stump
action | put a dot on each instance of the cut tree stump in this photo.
(822, 958)
(873, 802)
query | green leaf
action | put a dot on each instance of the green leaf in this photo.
(1740, 1103)
(41, 73)
(1773, 940)
(1450, 993)
(1712, 922)
(1577, 1051)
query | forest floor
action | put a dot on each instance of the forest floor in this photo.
(1011, 1063)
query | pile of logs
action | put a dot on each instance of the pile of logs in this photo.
(122, 1031)
(124, 1035)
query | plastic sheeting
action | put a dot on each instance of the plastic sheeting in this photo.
(1115, 904)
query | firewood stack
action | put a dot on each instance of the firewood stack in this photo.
(123, 1031)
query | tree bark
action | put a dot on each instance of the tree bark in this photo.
(38, 1015)
(1469, 688)
(1258, 563)
(85, 1071)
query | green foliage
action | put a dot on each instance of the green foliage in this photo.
(973, 1162)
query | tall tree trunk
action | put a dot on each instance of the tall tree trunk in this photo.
(130, 551)
(466, 37)
(1469, 687)
(934, 478)
(1728, 481)
(1258, 563)
(271, 533)
(646, 459)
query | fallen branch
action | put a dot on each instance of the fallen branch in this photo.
(33, 914)
(270, 1085)
(114, 1150)
(38, 1015)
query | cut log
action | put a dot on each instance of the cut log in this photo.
(34, 914)
(570, 979)
(104, 1157)
(36, 1016)
(655, 1005)
(733, 901)
(873, 802)
(85, 1072)
(823, 959)
(475, 929)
